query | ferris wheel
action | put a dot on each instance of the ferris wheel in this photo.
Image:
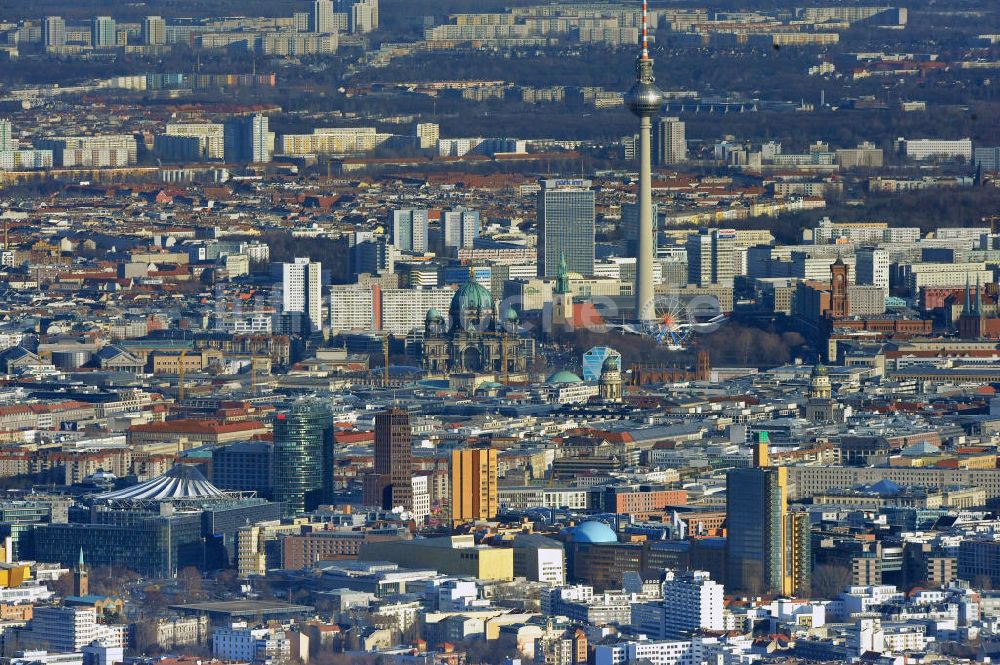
(672, 323)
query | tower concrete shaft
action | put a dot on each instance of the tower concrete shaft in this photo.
(644, 308)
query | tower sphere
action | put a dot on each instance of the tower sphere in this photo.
(644, 99)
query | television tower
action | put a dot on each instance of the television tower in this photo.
(644, 100)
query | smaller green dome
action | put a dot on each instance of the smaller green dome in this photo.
(433, 315)
(610, 364)
(564, 376)
(510, 314)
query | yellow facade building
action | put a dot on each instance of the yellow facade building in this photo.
(474, 485)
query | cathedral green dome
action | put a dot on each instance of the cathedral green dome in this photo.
(564, 376)
(471, 296)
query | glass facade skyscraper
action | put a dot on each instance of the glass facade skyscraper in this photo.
(565, 227)
(302, 476)
(767, 547)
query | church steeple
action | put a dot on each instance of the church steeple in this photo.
(562, 277)
(979, 297)
(81, 578)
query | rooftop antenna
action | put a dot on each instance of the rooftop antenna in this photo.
(645, 30)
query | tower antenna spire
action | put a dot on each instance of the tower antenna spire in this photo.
(645, 30)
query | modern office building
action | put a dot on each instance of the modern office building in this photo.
(922, 149)
(103, 32)
(157, 527)
(54, 32)
(302, 472)
(669, 141)
(244, 466)
(461, 227)
(767, 547)
(409, 230)
(394, 458)
(987, 158)
(473, 485)
(302, 294)
(154, 31)
(593, 361)
(565, 212)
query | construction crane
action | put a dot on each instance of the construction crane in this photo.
(181, 388)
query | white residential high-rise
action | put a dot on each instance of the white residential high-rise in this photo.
(54, 32)
(302, 293)
(154, 31)
(69, 629)
(7, 140)
(871, 266)
(669, 141)
(103, 32)
(428, 134)
(461, 227)
(321, 17)
(692, 601)
(409, 229)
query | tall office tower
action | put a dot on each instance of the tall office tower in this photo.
(630, 228)
(321, 17)
(54, 32)
(154, 31)
(565, 212)
(644, 100)
(428, 134)
(872, 266)
(669, 142)
(473, 485)
(302, 294)
(767, 547)
(409, 229)
(103, 32)
(303, 462)
(394, 457)
(711, 255)
(461, 227)
(7, 140)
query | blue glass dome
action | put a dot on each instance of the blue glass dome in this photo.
(593, 532)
